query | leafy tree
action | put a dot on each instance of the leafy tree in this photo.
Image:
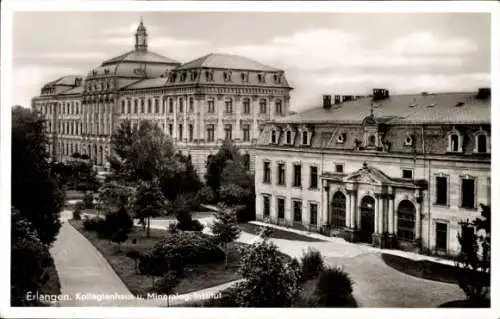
(31, 176)
(120, 236)
(225, 227)
(474, 259)
(333, 288)
(234, 173)
(205, 195)
(179, 177)
(114, 196)
(167, 284)
(227, 151)
(272, 279)
(182, 210)
(312, 264)
(149, 202)
(30, 260)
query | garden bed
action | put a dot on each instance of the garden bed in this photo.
(197, 277)
(277, 233)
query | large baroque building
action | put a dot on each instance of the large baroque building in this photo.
(391, 170)
(198, 104)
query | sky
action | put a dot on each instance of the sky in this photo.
(321, 53)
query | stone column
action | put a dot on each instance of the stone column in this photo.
(325, 204)
(270, 100)
(348, 216)
(175, 129)
(201, 121)
(185, 122)
(355, 219)
(237, 107)
(196, 114)
(375, 219)
(164, 107)
(382, 227)
(418, 218)
(391, 214)
(220, 108)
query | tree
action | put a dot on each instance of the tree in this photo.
(180, 177)
(149, 202)
(234, 173)
(474, 259)
(83, 176)
(216, 163)
(135, 256)
(272, 279)
(30, 259)
(114, 196)
(182, 210)
(167, 284)
(120, 236)
(35, 192)
(333, 288)
(225, 227)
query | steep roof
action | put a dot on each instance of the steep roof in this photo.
(226, 61)
(65, 80)
(403, 109)
(75, 90)
(148, 83)
(141, 57)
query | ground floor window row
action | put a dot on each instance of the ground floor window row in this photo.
(96, 153)
(296, 206)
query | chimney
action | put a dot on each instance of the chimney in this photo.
(327, 101)
(484, 93)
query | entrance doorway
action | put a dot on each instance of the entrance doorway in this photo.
(338, 210)
(367, 210)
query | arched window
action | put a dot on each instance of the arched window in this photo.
(246, 161)
(289, 137)
(454, 142)
(406, 221)
(371, 140)
(338, 210)
(482, 145)
(305, 139)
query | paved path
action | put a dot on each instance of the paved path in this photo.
(85, 275)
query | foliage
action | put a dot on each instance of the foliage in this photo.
(234, 173)
(192, 247)
(31, 176)
(83, 177)
(30, 259)
(229, 297)
(474, 259)
(312, 264)
(233, 194)
(333, 288)
(119, 236)
(216, 163)
(182, 210)
(114, 195)
(91, 224)
(77, 214)
(272, 280)
(157, 263)
(205, 195)
(149, 202)
(115, 222)
(225, 227)
(167, 284)
(172, 228)
(88, 200)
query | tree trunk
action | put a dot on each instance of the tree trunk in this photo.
(149, 225)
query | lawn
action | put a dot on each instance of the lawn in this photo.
(277, 233)
(196, 277)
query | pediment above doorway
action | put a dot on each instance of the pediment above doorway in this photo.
(367, 175)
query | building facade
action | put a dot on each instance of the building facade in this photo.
(394, 171)
(198, 104)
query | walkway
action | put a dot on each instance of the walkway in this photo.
(85, 275)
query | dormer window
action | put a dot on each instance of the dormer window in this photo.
(183, 77)
(455, 141)
(273, 137)
(261, 78)
(288, 137)
(305, 135)
(341, 138)
(372, 141)
(305, 138)
(408, 140)
(277, 79)
(482, 144)
(244, 77)
(209, 75)
(194, 74)
(227, 76)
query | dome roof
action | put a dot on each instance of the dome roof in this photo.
(226, 61)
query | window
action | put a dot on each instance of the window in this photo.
(142, 105)
(261, 78)
(210, 132)
(267, 173)
(281, 207)
(454, 140)
(209, 75)
(190, 129)
(263, 106)
(170, 106)
(406, 221)
(150, 106)
(136, 106)
(407, 173)
(193, 75)
(441, 236)
(371, 140)
(278, 108)
(468, 193)
(273, 137)
(267, 205)
(297, 211)
(123, 106)
(288, 137)
(157, 105)
(244, 77)
(246, 133)
(297, 175)
(229, 106)
(228, 130)
(246, 106)
(227, 76)
(314, 177)
(170, 129)
(191, 105)
(305, 139)
(277, 79)
(481, 142)
(281, 174)
(339, 168)
(441, 190)
(179, 135)
(313, 211)
(211, 106)
(181, 105)
(246, 161)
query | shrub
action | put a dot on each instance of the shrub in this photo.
(232, 194)
(119, 236)
(172, 228)
(135, 256)
(334, 288)
(182, 210)
(77, 214)
(229, 297)
(205, 195)
(88, 201)
(312, 264)
(92, 224)
(115, 222)
(167, 284)
(158, 263)
(192, 247)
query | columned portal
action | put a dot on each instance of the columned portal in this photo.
(367, 212)
(338, 210)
